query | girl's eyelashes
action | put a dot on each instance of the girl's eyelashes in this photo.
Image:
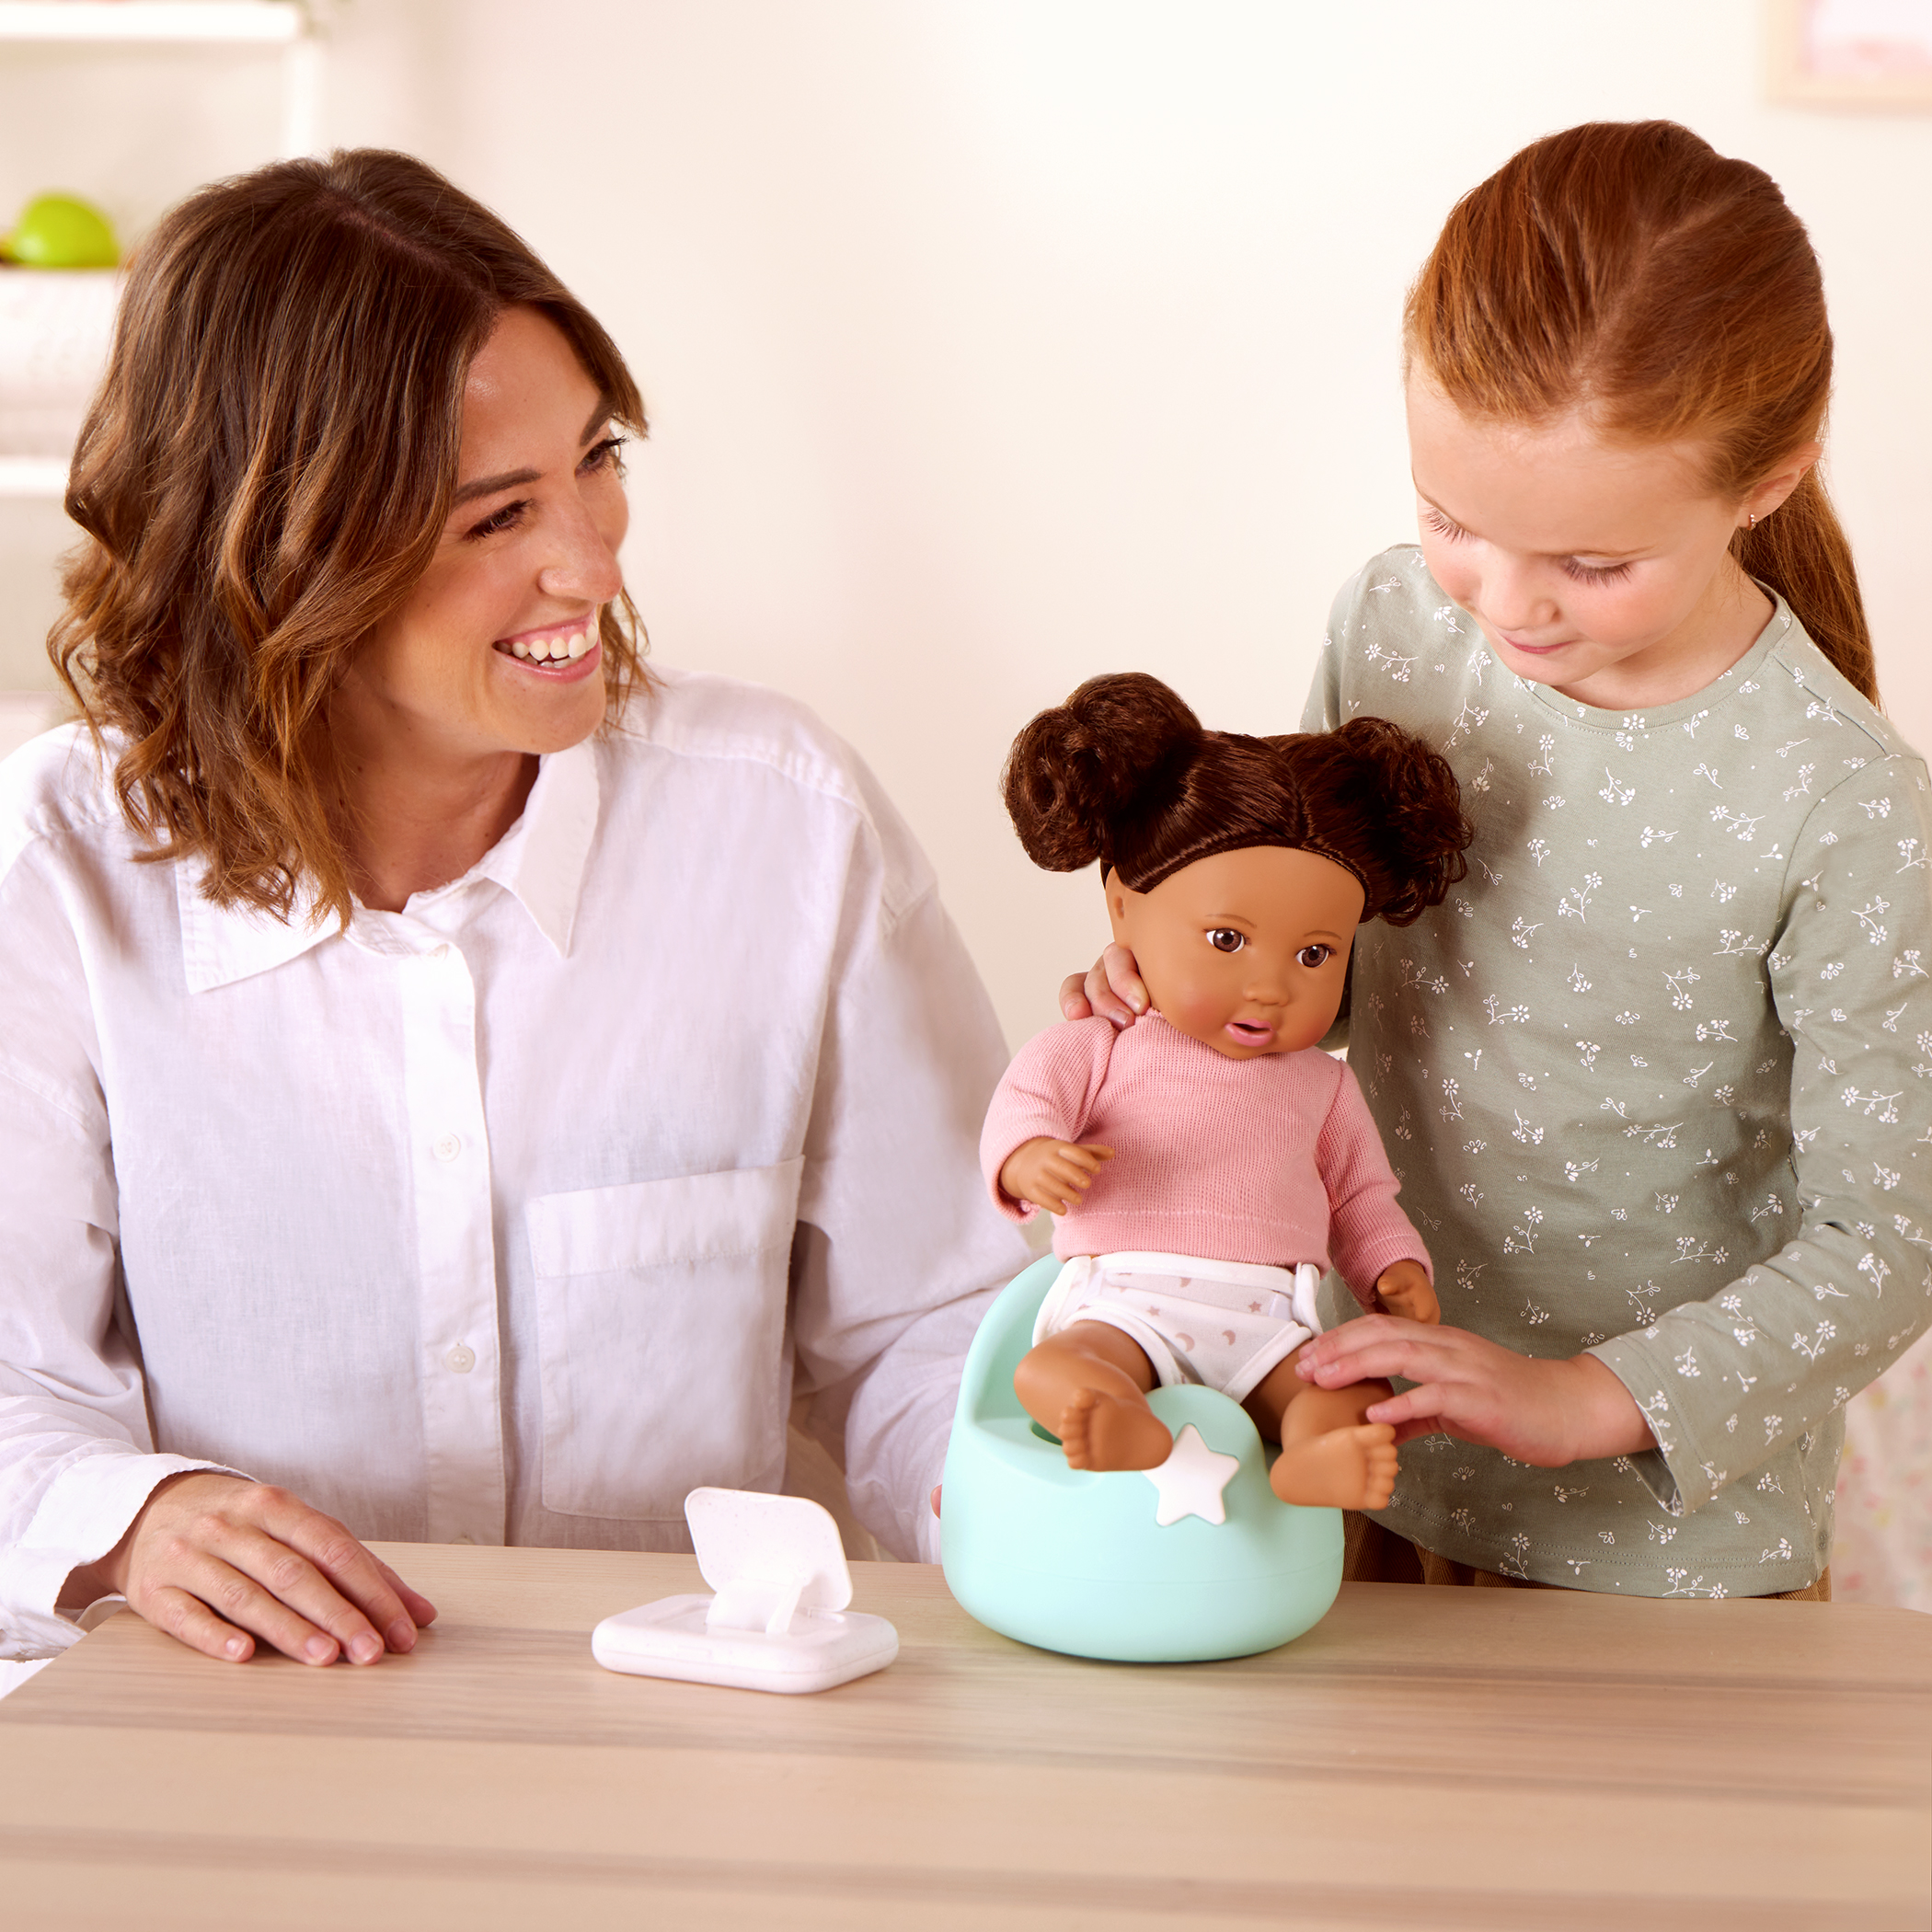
(1594, 573)
(1314, 956)
(603, 455)
(1452, 532)
(1224, 938)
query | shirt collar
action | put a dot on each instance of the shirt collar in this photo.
(540, 861)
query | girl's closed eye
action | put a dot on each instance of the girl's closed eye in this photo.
(1314, 956)
(1224, 938)
(1594, 573)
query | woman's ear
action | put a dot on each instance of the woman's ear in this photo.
(1779, 484)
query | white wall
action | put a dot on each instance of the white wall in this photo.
(995, 344)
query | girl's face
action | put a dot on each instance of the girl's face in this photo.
(1246, 951)
(1599, 570)
(527, 558)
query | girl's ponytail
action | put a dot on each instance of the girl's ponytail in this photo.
(1800, 550)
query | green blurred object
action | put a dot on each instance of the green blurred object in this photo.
(60, 231)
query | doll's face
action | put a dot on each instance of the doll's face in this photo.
(1247, 950)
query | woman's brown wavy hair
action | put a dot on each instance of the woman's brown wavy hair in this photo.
(263, 477)
(1627, 270)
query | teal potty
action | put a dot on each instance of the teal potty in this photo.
(1075, 1560)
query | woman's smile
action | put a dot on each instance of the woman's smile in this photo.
(565, 650)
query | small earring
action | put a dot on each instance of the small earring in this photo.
(1751, 520)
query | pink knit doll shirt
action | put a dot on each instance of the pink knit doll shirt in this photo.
(1273, 1159)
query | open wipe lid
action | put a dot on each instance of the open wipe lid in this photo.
(778, 1619)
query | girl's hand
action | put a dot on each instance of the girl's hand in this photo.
(1406, 1289)
(1050, 1174)
(1543, 1413)
(1111, 988)
(218, 1561)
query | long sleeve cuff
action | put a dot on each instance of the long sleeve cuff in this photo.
(85, 1512)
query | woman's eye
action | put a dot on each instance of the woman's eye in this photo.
(608, 454)
(1224, 938)
(1314, 956)
(500, 520)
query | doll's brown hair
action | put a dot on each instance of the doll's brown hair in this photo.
(1123, 771)
(263, 477)
(1627, 270)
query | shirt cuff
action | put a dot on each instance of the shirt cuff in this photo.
(1653, 1467)
(85, 1512)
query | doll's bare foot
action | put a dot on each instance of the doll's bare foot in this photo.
(1103, 1432)
(1353, 1469)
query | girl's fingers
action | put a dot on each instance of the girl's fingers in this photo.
(1074, 1002)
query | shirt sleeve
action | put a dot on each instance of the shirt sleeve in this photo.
(1727, 1382)
(76, 1461)
(1048, 1092)
(1367, 1232)
(898, 1252)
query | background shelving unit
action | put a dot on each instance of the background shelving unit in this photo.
(286, 27)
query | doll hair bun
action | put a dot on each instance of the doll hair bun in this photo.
(1123, 773)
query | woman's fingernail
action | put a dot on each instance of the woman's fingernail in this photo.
(366, 1648)
(402, 1634)
(319, 1650)
(235, 1646)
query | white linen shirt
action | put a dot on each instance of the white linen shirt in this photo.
(511, 1216)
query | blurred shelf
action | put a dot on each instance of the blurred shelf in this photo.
(260, 22)
(33, 477)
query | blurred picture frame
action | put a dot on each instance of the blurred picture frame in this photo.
(1870, 54)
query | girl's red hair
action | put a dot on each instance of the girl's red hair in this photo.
(1626, 269)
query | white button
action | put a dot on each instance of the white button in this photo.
(462, 1359)
(446, 1146)
(442, 952)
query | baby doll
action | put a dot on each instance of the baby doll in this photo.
(1208, 1163)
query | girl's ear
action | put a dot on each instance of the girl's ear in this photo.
(1779, 484)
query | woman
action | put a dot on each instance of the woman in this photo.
(401, 1138)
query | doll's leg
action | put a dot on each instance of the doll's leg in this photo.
(1088, 1383)
(1332, 1457)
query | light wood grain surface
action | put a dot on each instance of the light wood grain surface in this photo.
(1456, 1759)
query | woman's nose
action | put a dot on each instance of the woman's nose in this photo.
(584, 562)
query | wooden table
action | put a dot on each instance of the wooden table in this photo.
(1488, 1759)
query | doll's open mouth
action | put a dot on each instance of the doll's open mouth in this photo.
(1250, 1032)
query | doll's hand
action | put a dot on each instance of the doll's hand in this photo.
(1052, 1174)
(1111, 988)
(1405, 1289)
(1544, 1413)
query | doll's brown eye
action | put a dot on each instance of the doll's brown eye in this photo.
(1224, 938)
(1314, 956)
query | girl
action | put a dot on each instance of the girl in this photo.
(1653, 1079)
(1237, 869)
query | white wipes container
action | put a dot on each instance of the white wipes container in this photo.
(778, 1620)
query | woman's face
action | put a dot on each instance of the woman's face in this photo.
(1246, 951)
(495, 649)
(1599, 570)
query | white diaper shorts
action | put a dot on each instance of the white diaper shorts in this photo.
(1222, 1324)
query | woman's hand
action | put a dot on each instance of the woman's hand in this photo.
(218, 1561)
(1404, 1288)
(1113, 989)
(1050, 1174)
(1543, 1413)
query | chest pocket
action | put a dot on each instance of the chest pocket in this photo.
(660, 1319)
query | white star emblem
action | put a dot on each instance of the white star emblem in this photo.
(1191, 1479)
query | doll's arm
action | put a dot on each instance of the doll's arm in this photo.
(1404, 1288)
(1052, 1174)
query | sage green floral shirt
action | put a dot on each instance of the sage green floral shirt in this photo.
(1657, 1080)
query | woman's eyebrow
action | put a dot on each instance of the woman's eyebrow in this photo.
(513, 478)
